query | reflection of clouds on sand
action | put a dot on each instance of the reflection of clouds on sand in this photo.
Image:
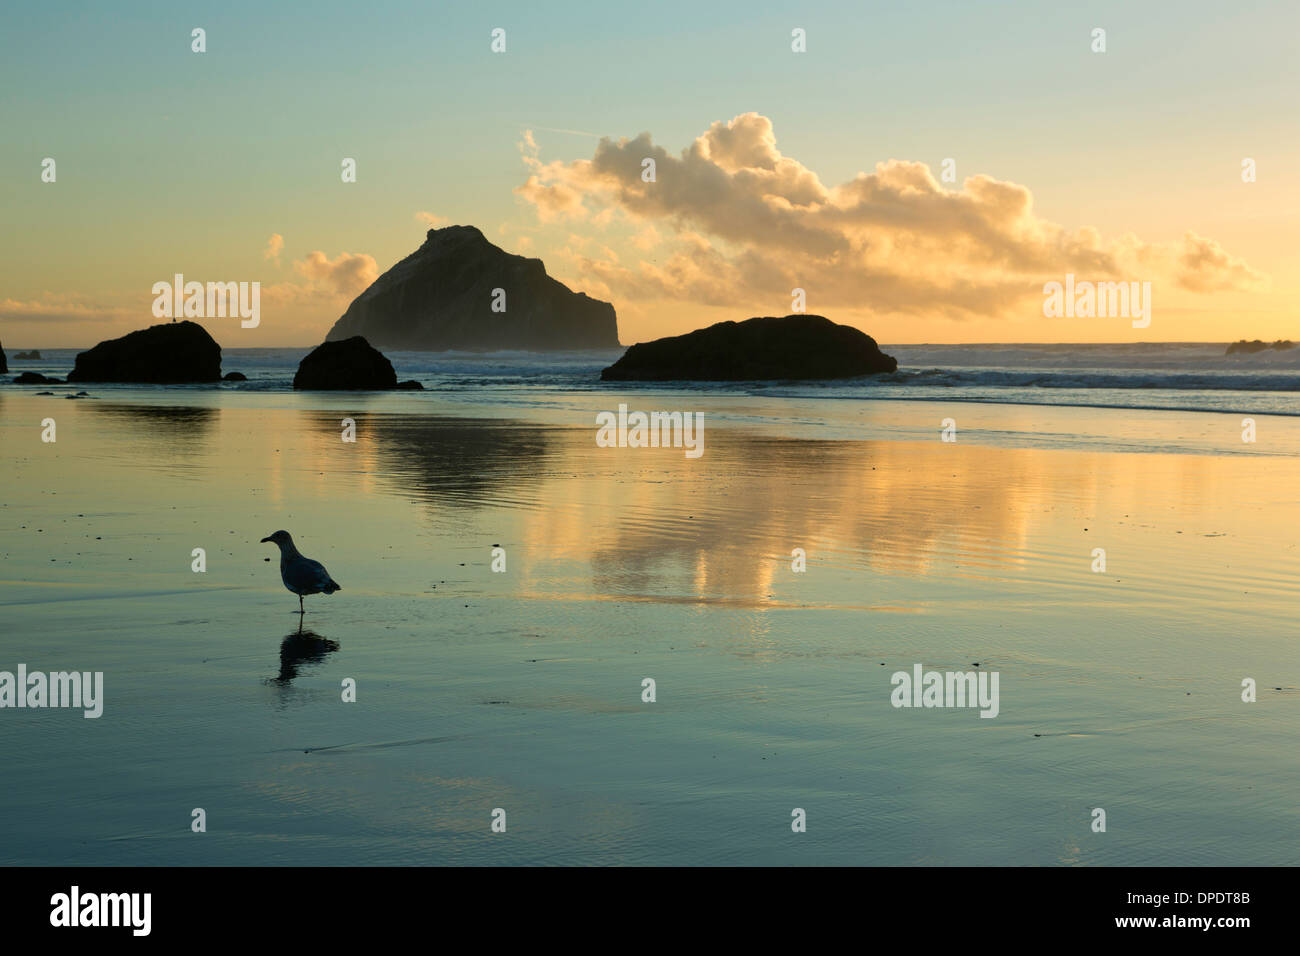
(720, 530)
(644, 524)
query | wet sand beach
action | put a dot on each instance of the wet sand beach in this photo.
(522, 689)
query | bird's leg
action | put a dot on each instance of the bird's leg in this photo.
(301, 609)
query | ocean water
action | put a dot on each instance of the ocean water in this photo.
(950, 379)
(1181, 376)
(521, 690)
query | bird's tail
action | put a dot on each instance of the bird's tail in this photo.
(331, 587)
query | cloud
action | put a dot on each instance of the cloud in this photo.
(51, 307)
(329, 282)
(647, 238)
(346, 275)
(274, 246)
(1205, 267)
(555, 199)
(552, 202)
(431, 220)
(748, 224)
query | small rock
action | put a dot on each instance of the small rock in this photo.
(36, 378)
(351, 363)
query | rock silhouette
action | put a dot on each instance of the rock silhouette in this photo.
(1242, 346)
(347, 364)
(170, 354)
(765, 348)
(442, 296)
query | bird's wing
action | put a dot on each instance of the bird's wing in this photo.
(307, 573)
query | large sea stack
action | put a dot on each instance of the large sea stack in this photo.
(4, 366)
(172, 354)
(771, 347)
(442, 295)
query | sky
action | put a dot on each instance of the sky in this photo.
(821, 170)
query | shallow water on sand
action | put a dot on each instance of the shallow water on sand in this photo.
(522, 690)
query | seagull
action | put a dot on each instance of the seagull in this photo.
(301, 575)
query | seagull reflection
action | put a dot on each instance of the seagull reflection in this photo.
(301, 648)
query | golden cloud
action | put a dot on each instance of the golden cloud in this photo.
(750, 224)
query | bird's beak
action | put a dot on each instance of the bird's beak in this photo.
(264, 540)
